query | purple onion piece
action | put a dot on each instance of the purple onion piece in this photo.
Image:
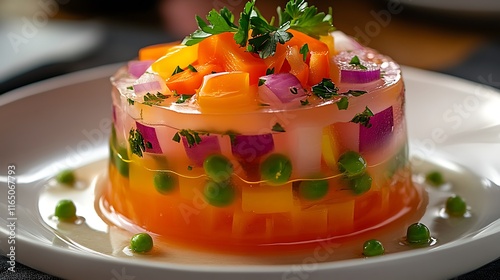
(151, 87)
(359, 76)
(285, 86)
(382, 126)
(138, 67)
(150, 138)
(198, 153)
(248, 148)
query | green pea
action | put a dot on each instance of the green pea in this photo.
(351, 164)
(219, 194)
(456, 206)
(360, 184)
(164, 182)
(66, 177)
(120, 158)
(65, 210)
(276, 169)
(373, 247)
(418, 233)
(313, 189)
(435, 178)
(218, 168)
(141, 243)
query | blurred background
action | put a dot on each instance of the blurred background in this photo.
(46, 38)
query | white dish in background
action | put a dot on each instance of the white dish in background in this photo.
(491, 7)
(63, 122)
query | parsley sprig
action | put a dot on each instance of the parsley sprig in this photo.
(259, 35)
(192, 137)
(137, 143)
(325, 89)
(363, 118)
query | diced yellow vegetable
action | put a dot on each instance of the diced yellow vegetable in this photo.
(179, 55)
(267, 199)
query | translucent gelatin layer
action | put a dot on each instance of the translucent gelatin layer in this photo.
(271, 175)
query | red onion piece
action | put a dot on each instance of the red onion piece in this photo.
(281, 88)
(152, 87)
(248, 148)
(138, 67)
(150, 138)
(359, 76)
(355, 74)
(198, 153)
(380, 131)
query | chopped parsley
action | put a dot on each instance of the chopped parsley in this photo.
(192, 137)
(363, 118)
(177, 70)
(343, 103)
(304, 102)
(191, 67)
(183, 98)
(356, 62)
(130, 88)
(256, 33)
(325, 89)
(154, 99)
(261, 82)
(136, 142)
(355, 93)
(190, 167)
(270, 71)
(278, 128)
(130, 101)
(304, 50)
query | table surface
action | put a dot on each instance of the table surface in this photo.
(461, 45)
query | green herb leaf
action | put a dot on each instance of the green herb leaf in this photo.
(220, 22)
(241, 36)
(267, 38)
(192, 137)
(343, 103)
(304, 102)
(154, 99)
(304, 50)
(269, 71)
(261, 82)
(306, 19)
(177, 137)
(278, 128)
(130, 88)
(191, 67)
(177, 70)
(183, 98)
(190, 167)
(326, 89)
(363, 118)
(356, 62)
(130, 101)
(136, 142)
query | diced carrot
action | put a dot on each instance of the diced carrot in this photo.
(299, 39)
(188, 82)
(227, 91)
(297, 65)
(319, 67)
(276, 61)
(154, 52)
(222, 49)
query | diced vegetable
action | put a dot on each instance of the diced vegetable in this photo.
(149, 83)
(150, 139)
(305, 150)
(354, 69)
(319, 66)
(154, 52)
(265, 199)
(177, 56)
(188, 81)
(374, 137)
(280, 89)
(248, 148)
(208, 145)
(329, 148)
(297, 65)
(226, 91)
(138, 67)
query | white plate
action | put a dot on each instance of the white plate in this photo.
(61, 123)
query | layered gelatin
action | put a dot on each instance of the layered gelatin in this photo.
(216, 146)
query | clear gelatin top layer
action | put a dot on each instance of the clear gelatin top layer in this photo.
(218, 143)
